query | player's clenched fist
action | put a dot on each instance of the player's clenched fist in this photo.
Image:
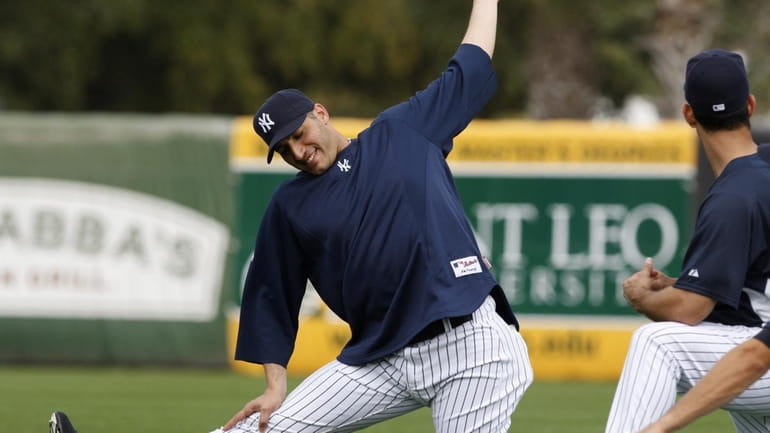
(647, 279)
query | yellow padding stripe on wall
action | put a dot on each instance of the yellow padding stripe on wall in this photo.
(524, 141)
(580, 354)
(556, 354)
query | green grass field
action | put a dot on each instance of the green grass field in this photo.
(110, 400)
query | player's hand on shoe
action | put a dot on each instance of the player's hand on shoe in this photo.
(265, 404)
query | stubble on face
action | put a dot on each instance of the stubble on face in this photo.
(310, 148)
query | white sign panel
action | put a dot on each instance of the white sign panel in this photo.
(79, 250)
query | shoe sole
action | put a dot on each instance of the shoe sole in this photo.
(52, 423)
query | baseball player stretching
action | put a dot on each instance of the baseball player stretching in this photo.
(720, 299)
(376, 224)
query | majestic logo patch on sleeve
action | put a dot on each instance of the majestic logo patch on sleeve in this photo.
(466, 266)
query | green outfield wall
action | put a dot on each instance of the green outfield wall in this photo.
(124, 238)
(114, 238)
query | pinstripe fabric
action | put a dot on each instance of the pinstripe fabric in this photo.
(668, 358)
(472, 377)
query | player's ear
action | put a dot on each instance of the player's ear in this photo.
(751, 104)
(321, 113)
(688, 114)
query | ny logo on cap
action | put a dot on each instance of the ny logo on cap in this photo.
(265, 122)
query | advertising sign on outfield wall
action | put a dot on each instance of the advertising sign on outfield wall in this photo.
(114, 238)
(562, 243)
(564, 211)
(79, 250)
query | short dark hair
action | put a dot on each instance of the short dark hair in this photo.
(729, 122)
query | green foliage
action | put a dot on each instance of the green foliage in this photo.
(622, 59)
(744, 28)
(356, 56)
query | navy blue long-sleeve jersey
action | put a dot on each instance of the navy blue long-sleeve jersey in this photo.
(382, 234)
(728, 258)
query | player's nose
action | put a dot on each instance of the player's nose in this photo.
(296, 149)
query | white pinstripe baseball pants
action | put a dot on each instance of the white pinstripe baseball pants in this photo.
(472, 377)
(668, 358)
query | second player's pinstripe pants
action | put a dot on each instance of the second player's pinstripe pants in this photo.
(666, 358)
(472, 377)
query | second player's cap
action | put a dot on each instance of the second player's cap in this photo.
(281, 114)
(716, 83)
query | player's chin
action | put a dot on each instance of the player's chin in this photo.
(316, 169)
(307, 168)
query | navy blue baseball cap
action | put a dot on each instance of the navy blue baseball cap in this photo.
(281, 114)
(716, 83)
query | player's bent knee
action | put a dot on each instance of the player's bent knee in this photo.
(657, 333)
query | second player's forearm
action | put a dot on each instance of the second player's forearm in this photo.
(671, 304)
(482, 25)
(735, 372)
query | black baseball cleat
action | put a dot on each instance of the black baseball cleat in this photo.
(59, 423)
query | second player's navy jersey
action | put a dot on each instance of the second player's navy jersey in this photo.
(382, 234)
(729, 257)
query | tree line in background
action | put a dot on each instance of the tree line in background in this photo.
(555, 58)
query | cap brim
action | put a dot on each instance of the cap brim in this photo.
(282, 133)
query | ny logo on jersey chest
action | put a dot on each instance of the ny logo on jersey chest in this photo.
(344, 165)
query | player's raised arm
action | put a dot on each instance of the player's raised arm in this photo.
(482, 27)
